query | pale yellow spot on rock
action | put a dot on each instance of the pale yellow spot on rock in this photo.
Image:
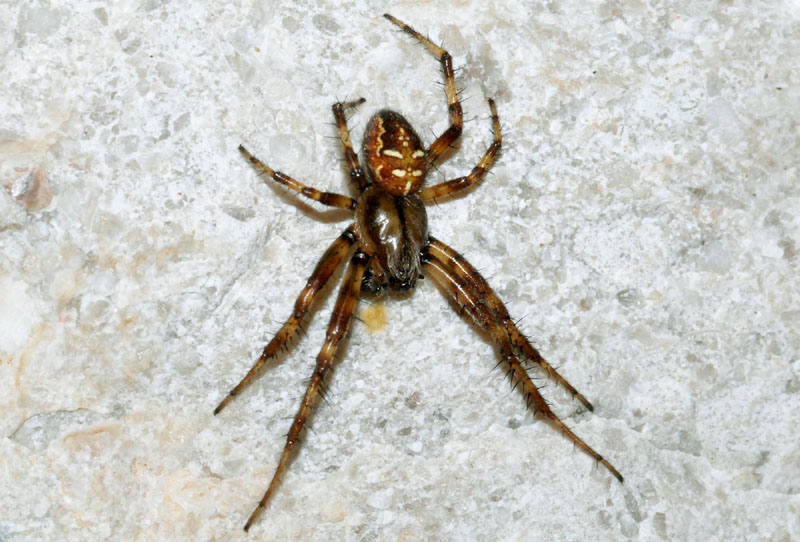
(399, 172)
(374, 317)
(392, 152)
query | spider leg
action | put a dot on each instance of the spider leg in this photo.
(467, 297)
(449, 136)
(460, 266)
(331, 199)
(340, 318)
(325, 268)
(447, 188)
(356, 173)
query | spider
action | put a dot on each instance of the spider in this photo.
(391, 249)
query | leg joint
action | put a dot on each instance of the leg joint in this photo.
(360, 258)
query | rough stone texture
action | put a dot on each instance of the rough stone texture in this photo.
(643, 220)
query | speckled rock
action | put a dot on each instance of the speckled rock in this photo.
(643, 222)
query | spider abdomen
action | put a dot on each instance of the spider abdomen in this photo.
(394, 154)
(395, 230)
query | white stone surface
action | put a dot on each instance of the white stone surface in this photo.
(643, 220)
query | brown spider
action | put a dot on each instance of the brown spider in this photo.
(392, 249)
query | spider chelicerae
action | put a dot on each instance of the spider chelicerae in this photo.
(391, 248)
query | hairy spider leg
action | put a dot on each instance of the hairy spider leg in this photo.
(431, 193)
(340, 318)
(449, 136)
(465, 296)
(486, 296)
(331, 199)
(325, 268)
(353, 166)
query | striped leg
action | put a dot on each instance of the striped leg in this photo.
(459, 265)
(326, 267)
(342, 312)
(354, 167)
(331, 199)
(449, 136)
(447, 188)
(467, 297)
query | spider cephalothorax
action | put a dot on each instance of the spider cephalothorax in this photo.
(390, 247)
(395, 230)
